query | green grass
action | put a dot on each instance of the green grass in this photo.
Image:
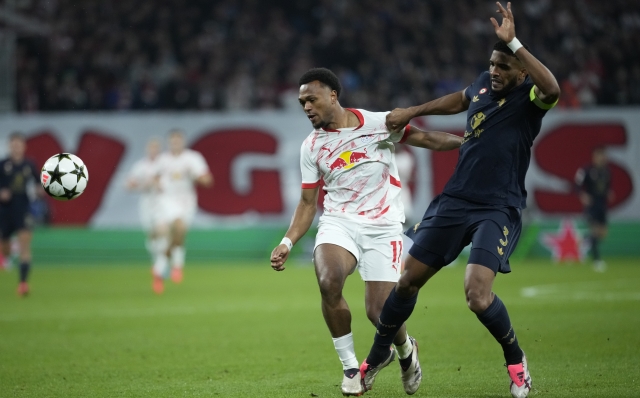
(242, 330)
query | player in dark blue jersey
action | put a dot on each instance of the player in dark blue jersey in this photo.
(482, 202)
(16, 173)
(594, 184)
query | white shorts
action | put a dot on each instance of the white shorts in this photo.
(174, 208)
(149, 210)
(377, 248)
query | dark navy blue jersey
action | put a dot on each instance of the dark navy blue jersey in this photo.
(16, 177)
(496, 150)
(595, 181)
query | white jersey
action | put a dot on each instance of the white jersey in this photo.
(143, 174)
(358, 168)
(178, 173)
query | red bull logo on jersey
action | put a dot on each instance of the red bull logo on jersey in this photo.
(347, 160)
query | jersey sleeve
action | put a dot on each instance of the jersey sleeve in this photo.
(198, 165)
(538, 102)
(398, 136)
(310, 173)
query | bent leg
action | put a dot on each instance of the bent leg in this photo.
(490, 310)
(375, 295)
(332, 265)
(398, 307)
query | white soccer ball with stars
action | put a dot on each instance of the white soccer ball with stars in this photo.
(64, 176)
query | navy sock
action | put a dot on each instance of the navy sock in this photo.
(24, 271)
(595, 247)
(395, 312)
(496, 319)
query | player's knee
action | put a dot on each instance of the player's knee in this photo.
(405, 288)
(330, 286)
(373, 312)
(477, 301)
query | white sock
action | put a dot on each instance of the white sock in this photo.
(160, 246)
(178, 255)
(160, 265)
(404, 350)
(346, 351)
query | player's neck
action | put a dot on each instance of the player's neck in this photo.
(16, 159)
(344, 119)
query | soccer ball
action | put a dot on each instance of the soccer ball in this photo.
(64, 176)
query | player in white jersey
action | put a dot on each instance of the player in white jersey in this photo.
(181, 169)
(351, 150)
(145, 178)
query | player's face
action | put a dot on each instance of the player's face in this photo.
(17, 146)
(506, 72)
(599, 158)
(318, 102)
(176, 143)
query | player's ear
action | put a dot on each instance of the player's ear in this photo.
(334, 97)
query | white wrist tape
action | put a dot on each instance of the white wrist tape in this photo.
(286, 241)
(514, 45)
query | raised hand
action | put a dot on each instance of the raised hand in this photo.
(507, 31)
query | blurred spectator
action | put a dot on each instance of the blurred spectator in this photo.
(248, 54)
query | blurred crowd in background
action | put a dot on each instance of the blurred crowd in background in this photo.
(249, 54)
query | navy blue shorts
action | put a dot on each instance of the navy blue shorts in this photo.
(451, 223)
(14, 219)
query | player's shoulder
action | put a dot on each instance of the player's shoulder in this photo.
(371, 120)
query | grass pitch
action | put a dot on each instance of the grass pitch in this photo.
(242, 330)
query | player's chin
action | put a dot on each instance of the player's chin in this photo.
(497, 87)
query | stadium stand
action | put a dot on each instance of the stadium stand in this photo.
(248, 54)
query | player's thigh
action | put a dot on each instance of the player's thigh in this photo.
(381, 248)
(24, 240)
(442, 234)
(495, 235)
(336, 253)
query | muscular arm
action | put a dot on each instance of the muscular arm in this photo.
(547, 89)
(434, 140)
(300, 223)
(447, 105)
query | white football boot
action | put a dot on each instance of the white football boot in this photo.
(412, 377)
(520, 378)
(352, 386)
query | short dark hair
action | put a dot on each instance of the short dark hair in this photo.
(324, 76)
(503, 48)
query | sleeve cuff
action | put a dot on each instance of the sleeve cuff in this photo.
(405, 135)
(311, 185)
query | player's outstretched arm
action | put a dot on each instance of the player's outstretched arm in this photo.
(547, 88)
(205, 180)
(434, 140)
(300, 223)
(449, 104)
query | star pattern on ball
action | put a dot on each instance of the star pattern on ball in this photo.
(61, 156)
(79, 172)
(70, 193)
(56, 175)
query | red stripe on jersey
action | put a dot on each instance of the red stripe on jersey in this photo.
(395, 181)
(311, 185)
(386, 209)
(359, 115)
(406, 134)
